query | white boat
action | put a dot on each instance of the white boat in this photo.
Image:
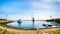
(47, 25)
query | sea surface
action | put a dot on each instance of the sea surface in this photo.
(31, 24)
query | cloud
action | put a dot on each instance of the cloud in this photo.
(41, 5)
(40, 8)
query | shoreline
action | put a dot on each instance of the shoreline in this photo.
(11, 27)
(27, 31)
(23, 31)
(4, 25)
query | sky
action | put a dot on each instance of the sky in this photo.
(24, 9)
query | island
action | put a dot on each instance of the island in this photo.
(57, 20)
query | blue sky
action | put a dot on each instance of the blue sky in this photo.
(40, 9)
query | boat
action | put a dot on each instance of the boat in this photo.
(19, 21)
(44, 25)
(47, 25)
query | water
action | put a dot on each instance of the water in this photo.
(30, 24)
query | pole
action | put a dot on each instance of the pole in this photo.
(50, 17)
(6, 16)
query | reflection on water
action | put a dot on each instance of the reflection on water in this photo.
(19, 25)
(31, 24)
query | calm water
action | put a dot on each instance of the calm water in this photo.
(30, 24)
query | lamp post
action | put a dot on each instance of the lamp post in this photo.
(50, 17)
(33, 20)
(6, 16)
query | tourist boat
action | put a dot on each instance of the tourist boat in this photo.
(20, 21)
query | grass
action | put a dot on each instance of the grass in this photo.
(5, 32)
(4, 21)
(55, 32)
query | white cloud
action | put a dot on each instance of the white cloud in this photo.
(41, 5)
(48, 0)
(58, 0)
(40, 9)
